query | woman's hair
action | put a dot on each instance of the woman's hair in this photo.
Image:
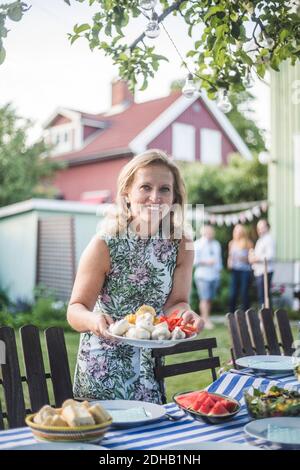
(243, 240)
(117, 223)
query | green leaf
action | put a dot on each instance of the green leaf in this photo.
(15, 13)
(145, 84)
(83, 27)
(2, 55)
(261, 70)
(212, 11)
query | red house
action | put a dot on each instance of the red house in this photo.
(96, 146)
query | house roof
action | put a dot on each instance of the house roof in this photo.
(132, 129)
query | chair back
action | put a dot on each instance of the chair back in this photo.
(256, 333)
(35, 377)
(208, 363)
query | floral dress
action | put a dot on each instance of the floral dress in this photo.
(141, 272)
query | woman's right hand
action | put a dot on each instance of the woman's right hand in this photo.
(99, 324)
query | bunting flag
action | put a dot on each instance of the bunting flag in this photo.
(238, 217)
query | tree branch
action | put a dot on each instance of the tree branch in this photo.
(164, 14)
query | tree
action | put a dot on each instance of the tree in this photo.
(234, 37)
(241, 181)
(25, 170)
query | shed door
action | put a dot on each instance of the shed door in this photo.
(56, 255)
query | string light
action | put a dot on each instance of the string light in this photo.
(268, 43)
(147, 4)
(189, 89)
(152, 29)
(248, 81)
(223, 102)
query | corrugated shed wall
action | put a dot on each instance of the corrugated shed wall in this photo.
(285, 123)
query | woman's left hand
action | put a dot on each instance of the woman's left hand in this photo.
(191, 317)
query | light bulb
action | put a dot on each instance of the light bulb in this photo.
(152, 29)
(268, 43)
(147, 4)
(189, 89)
(248, 81)
(223, 102)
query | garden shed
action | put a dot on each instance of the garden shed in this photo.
(41, 241)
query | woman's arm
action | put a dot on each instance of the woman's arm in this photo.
(229, 259)
(182, 281)
(93, 267)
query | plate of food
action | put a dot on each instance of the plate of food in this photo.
(212, 408)
(274, 402)
(129, 413)
(275, 433)
(269, 364)
(144, 329)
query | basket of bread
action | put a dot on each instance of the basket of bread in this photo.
(74, 422)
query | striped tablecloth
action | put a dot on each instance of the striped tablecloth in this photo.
(164, 433)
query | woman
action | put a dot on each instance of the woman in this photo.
(134, 261)
(238, 251)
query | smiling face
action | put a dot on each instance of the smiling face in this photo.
(151, 194)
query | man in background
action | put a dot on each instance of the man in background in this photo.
(208, 265)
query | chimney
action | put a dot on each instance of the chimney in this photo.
(120, 94)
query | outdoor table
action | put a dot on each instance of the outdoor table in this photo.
(164, 433)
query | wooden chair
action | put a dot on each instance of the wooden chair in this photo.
(35, 375)
(256, 333)
(162, 371)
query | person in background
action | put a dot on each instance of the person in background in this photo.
(208, 265)
(264, 249)
(238, 252)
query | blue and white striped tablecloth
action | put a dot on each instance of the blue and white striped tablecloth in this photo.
(164, 433)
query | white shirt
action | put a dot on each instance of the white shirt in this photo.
(207, 250)
(264, 248)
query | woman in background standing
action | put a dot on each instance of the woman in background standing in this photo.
(238, 251)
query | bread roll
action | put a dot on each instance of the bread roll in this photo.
(57, 420)
(77, 416)
(145, 323)
(138, 333)
(69, 402)
(120, 327)
(161, 332)
(99, 414)
(44, 413)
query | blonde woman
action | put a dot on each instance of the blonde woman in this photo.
(142, 257)
(238, 252)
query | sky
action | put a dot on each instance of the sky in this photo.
(43, 71)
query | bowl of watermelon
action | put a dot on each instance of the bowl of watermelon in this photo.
(210, 407)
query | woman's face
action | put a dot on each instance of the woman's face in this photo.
(238, 232)
(151, 193)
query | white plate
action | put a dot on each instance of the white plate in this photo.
(277, 433)
(153, 411)
(58, 446)
(151, 343)
(211, 445)
(268, 364)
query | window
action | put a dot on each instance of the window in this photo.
(210, 147)
(183, 142)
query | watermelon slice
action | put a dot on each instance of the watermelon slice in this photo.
(187, 399)
(202, 396)
(206, 406)
(229, 405)
(218, 409)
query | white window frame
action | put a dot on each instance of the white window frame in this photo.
(183, 141)
(207, 144)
